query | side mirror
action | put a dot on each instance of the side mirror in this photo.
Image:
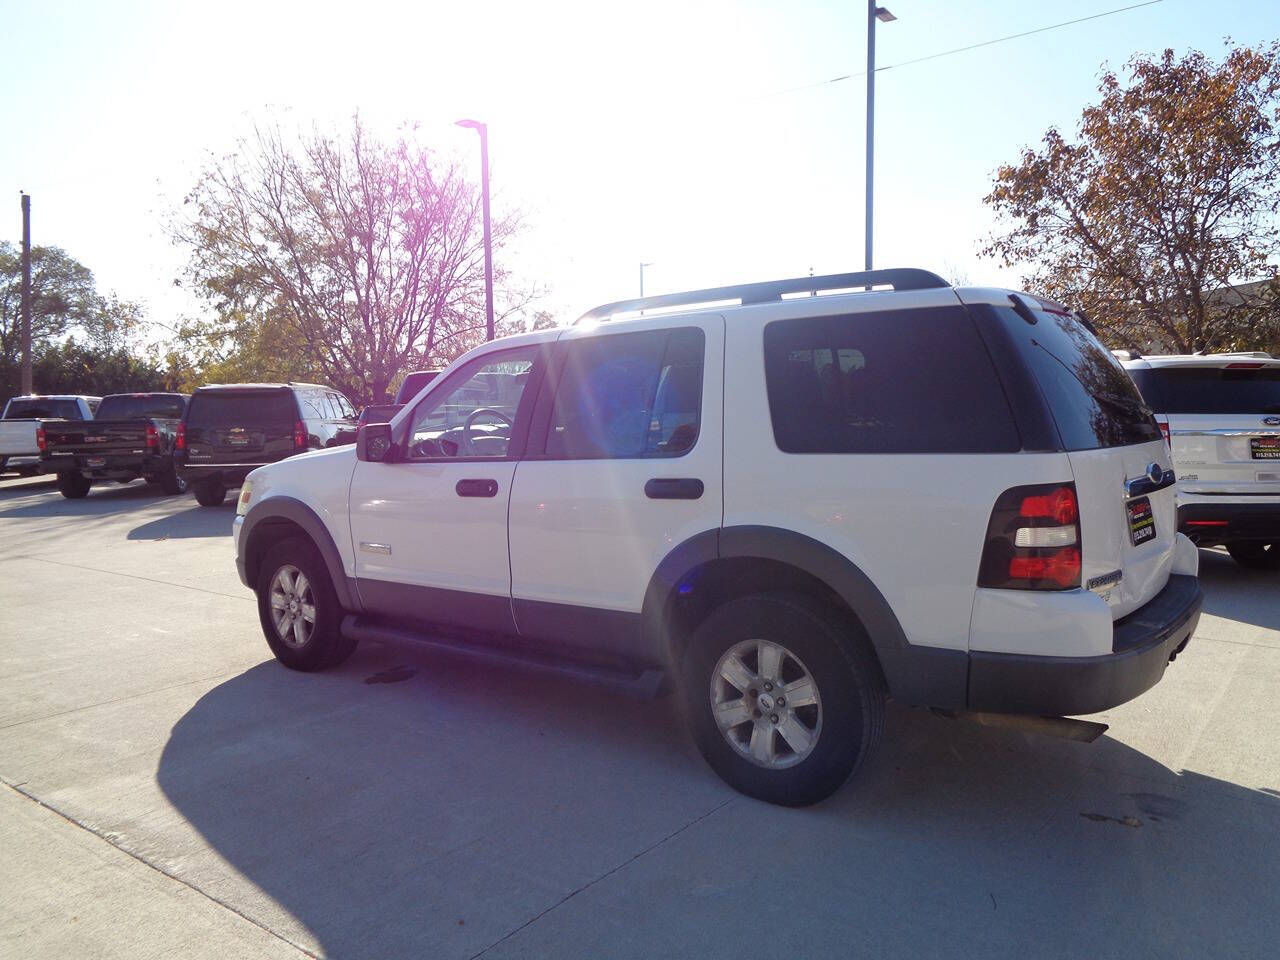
(374, 443)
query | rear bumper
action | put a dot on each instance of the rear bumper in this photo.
(1209, 524)
(1143, 644)
(230, 475)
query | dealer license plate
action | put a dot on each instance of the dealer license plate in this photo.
(1264, 448)
(95, 461)
(1142, 522)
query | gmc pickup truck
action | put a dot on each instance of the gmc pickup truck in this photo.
(132, 436)
(22, 430)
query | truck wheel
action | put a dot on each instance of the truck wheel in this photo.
(74, 486)
(782, 698)
(1256, 554)
(300, 613)
(172, 484)
(210, 493)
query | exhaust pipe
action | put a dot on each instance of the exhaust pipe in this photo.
(1065, 728)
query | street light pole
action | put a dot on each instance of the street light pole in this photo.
(874, 13)
(642, 266)
(483, 130)
(25, 370)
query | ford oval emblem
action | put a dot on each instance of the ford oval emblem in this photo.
(1271, 421)
(1155, 472)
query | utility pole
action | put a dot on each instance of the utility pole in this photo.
(882, 14)
(642, 266)
(26, 294)
(483, 130)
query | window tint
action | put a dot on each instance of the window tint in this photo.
(157, 406)
(342, 409)
(241, 408)
(312, 404)
(476, 414)
(901, 381)
(1092, 399)
(42, 407)
(628, 395)
(414, 383)
(1210, 389)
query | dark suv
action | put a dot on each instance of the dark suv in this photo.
(229, 429)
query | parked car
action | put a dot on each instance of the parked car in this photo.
(413, 384)
(22, 431)
(796, 506)
(229, 429)
(373, 413)
(131, 436)
(1221, 415)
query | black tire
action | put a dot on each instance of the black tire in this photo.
(1256, 554)
(210, 493)
(73, 486)
(325, 646)
(841, 664)
(172, 484)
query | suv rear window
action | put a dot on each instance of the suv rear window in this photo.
(900, 381)
(219, 408)
(1091, 397)
(159, 406)
(35, 408)
(1210, 389)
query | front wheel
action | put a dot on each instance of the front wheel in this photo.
(210, 493)
(783, 697)
(1256, 554)
(74, 486)
(298, 609)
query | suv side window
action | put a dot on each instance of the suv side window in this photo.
(341, 408)
(474, 414)
(312, 405)
(628, 395)
(900, 381)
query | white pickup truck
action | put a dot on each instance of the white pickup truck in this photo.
(22, 433)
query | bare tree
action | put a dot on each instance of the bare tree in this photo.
(369, 253)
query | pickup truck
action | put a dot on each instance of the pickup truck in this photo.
(132, 436)
(22, 430)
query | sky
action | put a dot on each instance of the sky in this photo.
(668, 132)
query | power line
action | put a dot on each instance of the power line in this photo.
(948, 53)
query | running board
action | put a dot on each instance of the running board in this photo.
(642, 683)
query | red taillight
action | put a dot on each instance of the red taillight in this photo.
(1164, 430)
(153, 437)
(1033, 539)
(1058, 506)
(41, 442)
(1062, 567)
(180, 441)
(300, 435)
(1207, 523)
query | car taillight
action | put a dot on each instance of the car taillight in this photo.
(300, 435)
(1033, 539)
(180, 441)
(153, 438)
(1164, 430)
(42, 442)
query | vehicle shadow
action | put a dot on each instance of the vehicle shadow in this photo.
(196, 521)
(411, 804)
(1237, 593)
(13, 487)
(103, 498)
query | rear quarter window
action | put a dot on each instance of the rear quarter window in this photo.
(899, 381)
(239, 409)
(1092, 399)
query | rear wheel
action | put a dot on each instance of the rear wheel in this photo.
(299, 611)
(210, 493)
(172, 484)
(1256, 554)
(74, 486)
(784, 699)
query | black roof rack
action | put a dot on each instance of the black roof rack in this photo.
(907, 278)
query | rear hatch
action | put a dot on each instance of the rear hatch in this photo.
(251, 425)
(1122, 468)
(1223, 418)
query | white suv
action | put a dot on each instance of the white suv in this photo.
(795, 504)
(1221, 415)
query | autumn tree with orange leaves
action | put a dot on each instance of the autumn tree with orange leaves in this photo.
(1164, 206)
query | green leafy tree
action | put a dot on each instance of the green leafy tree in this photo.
(340, 257)
(1164, 204)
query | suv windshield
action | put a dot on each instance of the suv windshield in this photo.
(144, 406)
(1234, 389)
(42, 407)
(226, 408)
(1092, 399)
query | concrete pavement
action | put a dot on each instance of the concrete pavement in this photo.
(170, 787)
